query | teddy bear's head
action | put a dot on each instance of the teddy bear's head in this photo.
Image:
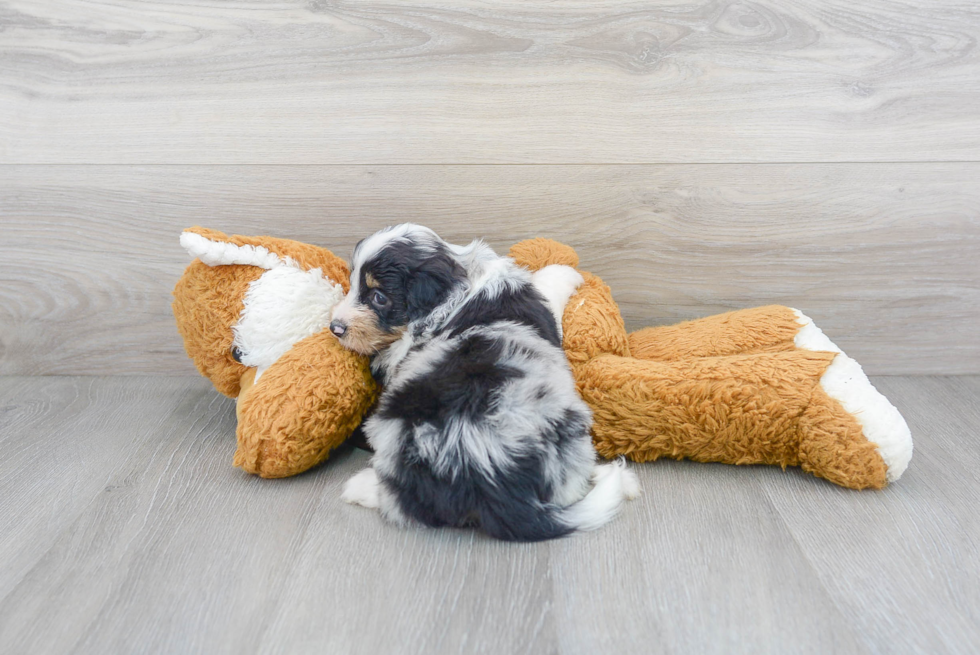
(253, 313)
(244, 301)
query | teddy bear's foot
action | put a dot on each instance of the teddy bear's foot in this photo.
(833, 445)
(880, 422)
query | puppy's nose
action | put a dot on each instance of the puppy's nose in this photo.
(338, 328)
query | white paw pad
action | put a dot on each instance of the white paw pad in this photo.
(362, 489)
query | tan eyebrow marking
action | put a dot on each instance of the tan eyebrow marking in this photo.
(371, 282)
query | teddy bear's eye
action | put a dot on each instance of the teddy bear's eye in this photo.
(236, 354)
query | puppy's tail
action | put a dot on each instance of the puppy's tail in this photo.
(613, 484)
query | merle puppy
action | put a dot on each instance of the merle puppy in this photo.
(479, 422)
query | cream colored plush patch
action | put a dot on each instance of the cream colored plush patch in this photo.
(557, 283)
(282, 307)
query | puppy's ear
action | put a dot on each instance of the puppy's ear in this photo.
(431, 282)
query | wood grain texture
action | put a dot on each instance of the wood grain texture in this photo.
(126, 534)
(64, 443)
(440, 81)
(891, 551)
(883, 257)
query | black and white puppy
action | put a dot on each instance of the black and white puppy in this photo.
(479, 422)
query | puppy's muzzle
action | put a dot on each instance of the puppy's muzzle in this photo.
(339, 328)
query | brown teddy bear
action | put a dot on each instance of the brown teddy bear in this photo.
(757, 386)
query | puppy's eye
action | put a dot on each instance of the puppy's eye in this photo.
(236, 354)
(378, 299)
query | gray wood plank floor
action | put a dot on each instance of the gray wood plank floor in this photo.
(124, 528)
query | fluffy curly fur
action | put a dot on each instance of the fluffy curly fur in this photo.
(479, 422)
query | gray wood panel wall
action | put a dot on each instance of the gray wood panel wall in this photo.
(702, 156)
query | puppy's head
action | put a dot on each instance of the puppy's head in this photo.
(398, 275)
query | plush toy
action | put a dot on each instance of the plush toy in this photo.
(253, 312)
(757, 386)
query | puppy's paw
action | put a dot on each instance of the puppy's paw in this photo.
(631, 485)
(362, 489)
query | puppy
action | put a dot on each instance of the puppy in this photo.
(479, 422)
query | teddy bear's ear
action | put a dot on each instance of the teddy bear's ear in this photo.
(215, 248)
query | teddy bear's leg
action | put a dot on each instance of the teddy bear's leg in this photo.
(845, 385)
(834, 447)
(766, 408)
(761, 329)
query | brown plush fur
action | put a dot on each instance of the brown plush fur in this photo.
(731, 388)
(709, 409)
(304, 405)
(757, 330)
(207, 303)
(833, 446)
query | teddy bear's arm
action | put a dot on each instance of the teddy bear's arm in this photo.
(762, 329)
(303, 406)
(592, 324)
